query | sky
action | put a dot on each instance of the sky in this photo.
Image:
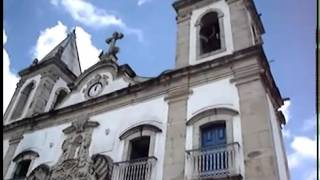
(32, 29)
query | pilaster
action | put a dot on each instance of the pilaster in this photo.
(43, 91)
(258, 145)
(240, 26)
(183, 39)
(13, 144)
(174, 160)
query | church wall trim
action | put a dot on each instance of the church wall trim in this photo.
(138, 92)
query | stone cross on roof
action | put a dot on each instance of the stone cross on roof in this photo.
(113, 49)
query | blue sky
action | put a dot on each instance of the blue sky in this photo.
(31, 29)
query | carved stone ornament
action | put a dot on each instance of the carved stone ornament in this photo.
(95, 86)
(74, 162)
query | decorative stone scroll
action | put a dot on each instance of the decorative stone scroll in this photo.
(75, 163)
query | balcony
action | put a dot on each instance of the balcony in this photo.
(138, 169)
(214, 163)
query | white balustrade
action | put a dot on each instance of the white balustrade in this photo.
(214, 162)
(139, 169)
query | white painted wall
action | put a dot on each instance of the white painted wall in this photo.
(78, 95)
(219, 93)
(196, 14)
(39, 141)
(280, 154)
(25, 111)
(154, 111)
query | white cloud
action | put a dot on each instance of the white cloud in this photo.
(52, 36)
(141, 2)
(304, 149)
(48, 39)
(305, 146)
(88, 53)
(9, 79)
(92, 16)
(309, 124)
(286, 133)
(285, 108)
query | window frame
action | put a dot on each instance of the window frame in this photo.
(24, 155)
(212, 125)
(220, 15)
(208, 117)
(136, 132)
(14, 115)
(54, 104)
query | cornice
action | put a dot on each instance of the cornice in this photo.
(162, 80)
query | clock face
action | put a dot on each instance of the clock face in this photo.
(95, 89)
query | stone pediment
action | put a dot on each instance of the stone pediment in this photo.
(107, 67)
(105, 77)
(102, 78)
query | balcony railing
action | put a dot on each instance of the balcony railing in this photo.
(139, 169)
(215, 162)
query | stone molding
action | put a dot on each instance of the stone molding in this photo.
(212, 112)
(193, 4)
(139, 128)
(28, 154)
(144, 90)
(178, 95)
(15, 140)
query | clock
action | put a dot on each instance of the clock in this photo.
(95, 89)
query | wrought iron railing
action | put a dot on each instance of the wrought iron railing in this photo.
(138, 169)
(213, 162)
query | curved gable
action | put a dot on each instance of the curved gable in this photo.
(102, 78)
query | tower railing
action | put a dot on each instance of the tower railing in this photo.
(214, 162)
(138, 169)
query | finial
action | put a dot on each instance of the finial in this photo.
(113, 49)
(35, 62)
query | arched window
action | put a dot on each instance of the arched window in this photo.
(212, 127)
(138, 155)
(23, 162)
(139, 141)
(209, 33)
(22, 101)
(60, 95)
(214, 149)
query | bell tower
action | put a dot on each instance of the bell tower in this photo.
(44, 84)
(225, 37)
(210, 29)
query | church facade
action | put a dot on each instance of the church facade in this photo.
(214, 116)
